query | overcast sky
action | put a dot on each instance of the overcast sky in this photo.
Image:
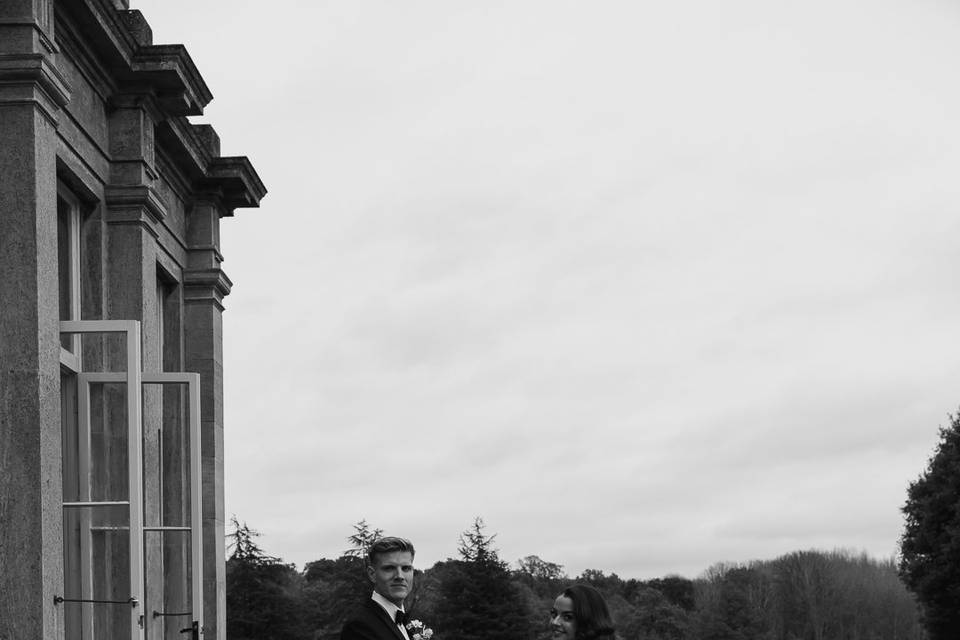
(647, 285)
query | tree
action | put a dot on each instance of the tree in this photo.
(539, 569)
(475, 546)
(331, 589)
(243, 545)
(263, 593)
(677, 590)
(725, 608)
(930, 544)
(362, 539)
(807, 588)
(477, 599)
(652, 616)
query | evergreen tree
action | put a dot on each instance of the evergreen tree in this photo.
(332, 588)
(476, 546)
(263, 593)
(362, 539)
(930, 545)
(477, 598)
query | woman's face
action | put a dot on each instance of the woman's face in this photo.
(562, 624)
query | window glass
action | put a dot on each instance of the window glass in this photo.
(64, 265)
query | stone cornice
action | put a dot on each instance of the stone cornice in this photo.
(120, 40)
(104, 30)
(179, 139)
(237, 181)
(167, 81)
(195, 150)
(171, 73)
(70, 43)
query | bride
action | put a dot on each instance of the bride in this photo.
(581, 613)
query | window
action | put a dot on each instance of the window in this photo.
(169, 325)
(102, 476)
(131, 511)
(68, 269)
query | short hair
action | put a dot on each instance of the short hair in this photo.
(590, 612)
(388, 545)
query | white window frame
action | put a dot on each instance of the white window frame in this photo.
(71, 357)
(133, 378)
(192, 380)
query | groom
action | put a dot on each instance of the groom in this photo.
(383, 617)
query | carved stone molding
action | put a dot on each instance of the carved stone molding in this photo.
(135, 204)
(31, 78)
(206, 285)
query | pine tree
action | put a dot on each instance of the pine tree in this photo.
(263, 593)
(477, 599)
(930, 545)
(362, 539)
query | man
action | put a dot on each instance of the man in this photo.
(390, 568)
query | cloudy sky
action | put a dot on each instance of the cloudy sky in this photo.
(646, 285)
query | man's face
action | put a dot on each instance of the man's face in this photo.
(392, 576)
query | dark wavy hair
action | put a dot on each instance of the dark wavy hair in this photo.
(388, 545)
(590, 612)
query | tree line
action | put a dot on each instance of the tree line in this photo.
(807, 595)
(804, 595)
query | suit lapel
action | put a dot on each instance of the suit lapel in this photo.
(382, 616)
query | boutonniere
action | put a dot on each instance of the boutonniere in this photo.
(419, 631)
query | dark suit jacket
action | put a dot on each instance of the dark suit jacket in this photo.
(370, 622)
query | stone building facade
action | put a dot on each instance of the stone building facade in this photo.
(111, 301)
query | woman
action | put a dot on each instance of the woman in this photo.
(581, 613)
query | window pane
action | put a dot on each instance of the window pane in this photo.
(96, 567)
(64, 262)
(70, 447)
(109, 435)
(175, 457)
(168, 555)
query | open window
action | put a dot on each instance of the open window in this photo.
(132, 539)
(68, 269)
(102, 490)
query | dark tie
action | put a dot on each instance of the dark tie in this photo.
(400, 618)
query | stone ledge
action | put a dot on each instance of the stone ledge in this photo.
(178, 137)
(122, 40)
(195, 149)
(237, 181)
(172, 74)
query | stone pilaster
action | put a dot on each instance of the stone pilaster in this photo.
(133, 214)
(205, 286)
(132, 124)
(31, 530)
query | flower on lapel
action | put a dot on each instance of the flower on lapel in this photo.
(419, 631)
